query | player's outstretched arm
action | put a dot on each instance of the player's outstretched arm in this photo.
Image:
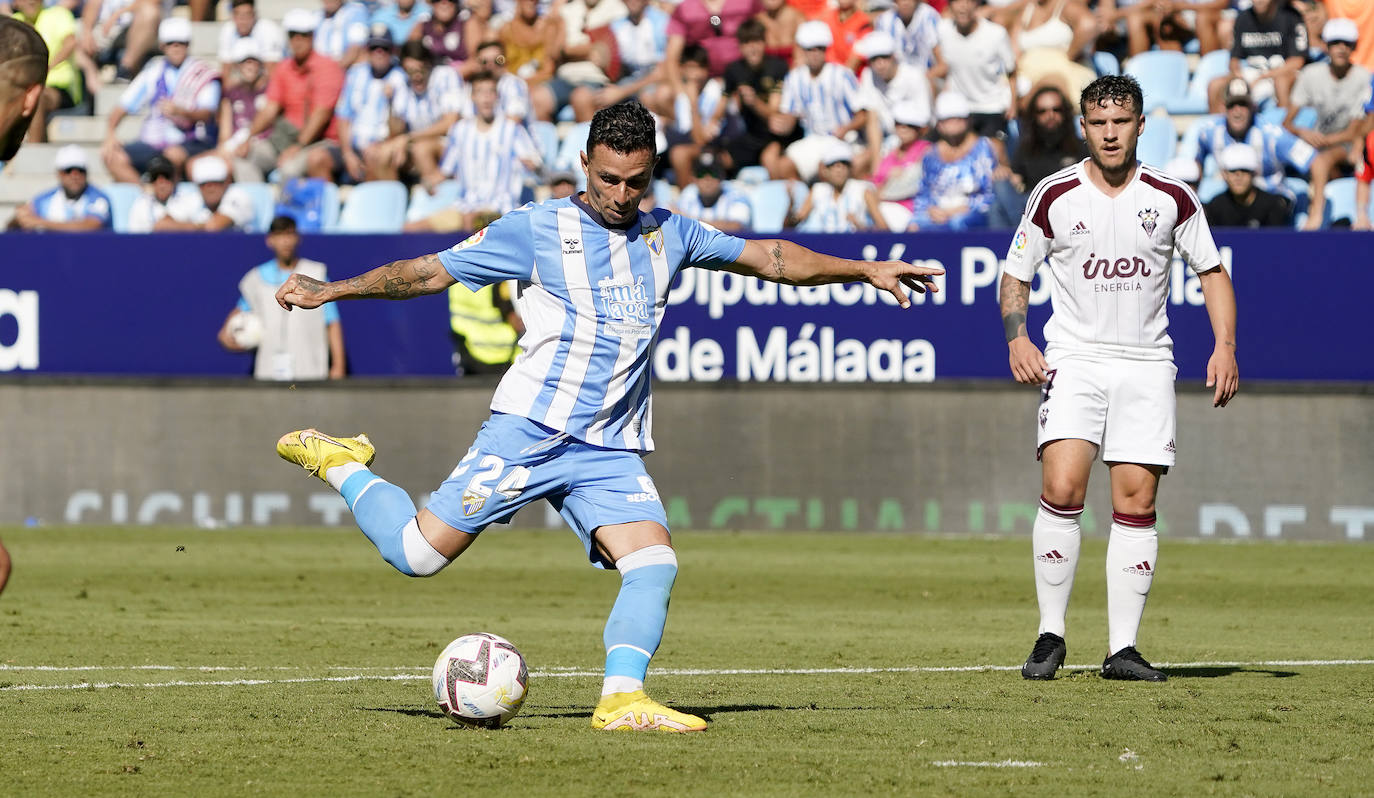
(1028, 364)
(786, 262)
(1223, 374)
(401, 279)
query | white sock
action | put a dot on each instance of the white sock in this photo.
(336, 475)
(1131, 552)
(621, 684)
(1055, 540)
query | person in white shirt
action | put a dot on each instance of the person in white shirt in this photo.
(837, 203)
(711, 200)
(1109, 228)
(364, 109)
(214, 206)
(980, 65)
(823, 98)
(886, 84)
(422, 114)
(151, 206)
(244, 23)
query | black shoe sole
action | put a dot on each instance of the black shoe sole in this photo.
(1132, 677)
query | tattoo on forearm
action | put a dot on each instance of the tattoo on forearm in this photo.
(779, 268)
(1015, 300)
(309, 285)
(400, 279)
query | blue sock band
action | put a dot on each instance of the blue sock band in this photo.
(635, 627)
(382, 510)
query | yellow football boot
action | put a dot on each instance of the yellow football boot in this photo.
(316, 452)
(638, 712)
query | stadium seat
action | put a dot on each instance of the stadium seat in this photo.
(1210, 188)
(545, 136)
(423, 204)
(1158, 142)
(569, 152)
(752, 175)
(122, 196)
(1163, 76)
(1273, 115)
(1340, 202)
(771, 201)
(264, 205)
(1209, 67)
(377, 206)
(1106, 64)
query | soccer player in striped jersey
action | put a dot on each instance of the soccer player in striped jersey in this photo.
(571, 419)
(1109, 228)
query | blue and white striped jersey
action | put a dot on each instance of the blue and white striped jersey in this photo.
(1274, 145)
(730, 206)
(346, 29)
(54, 206)
(157, 81)
(916, 41)
(824, 103)
(592, 297)
(641, 45)
(833, 212)
(512, 99)
(444, 94)
(366, 102)
(488, 164)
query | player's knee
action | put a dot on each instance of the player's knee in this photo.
(1064, 491)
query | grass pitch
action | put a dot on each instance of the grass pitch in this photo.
(295, 662)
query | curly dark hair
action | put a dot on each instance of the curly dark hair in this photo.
(625, 128)
(1034, 141)
(1121, 90)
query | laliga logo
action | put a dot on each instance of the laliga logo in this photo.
(22, 352)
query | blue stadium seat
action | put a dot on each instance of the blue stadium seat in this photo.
(1106, 64)
(264, 205)
(1274, 115)
(1158, 142)
(122, 196)
(424, 205)
(1209, 67)
(545, 136)
(1210, 187)
(569, 152)
(752, 175)
(377, 206)
(771, 201)
(1163, 76)
(1340, 202)
(1302, 194)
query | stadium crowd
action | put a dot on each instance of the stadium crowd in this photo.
(823, 115)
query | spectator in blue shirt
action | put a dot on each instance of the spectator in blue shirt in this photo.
(364, 109)
(956, 174)
(341, 31)
(401, 17)
(73, 206)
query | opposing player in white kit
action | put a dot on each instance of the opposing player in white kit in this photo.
(1109, 228)
(571, 418)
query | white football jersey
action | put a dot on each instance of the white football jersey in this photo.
(1110, 258)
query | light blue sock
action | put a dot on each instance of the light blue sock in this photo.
(382, 511)
(635, 626)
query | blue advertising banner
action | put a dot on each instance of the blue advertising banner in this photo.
(152, 305)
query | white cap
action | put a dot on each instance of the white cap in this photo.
(174, 29)
(1185, 169)
(836, 151)
(910, 112)
(951, 105)
(875, 45)
(244, 49)
(1239, 157)
(210, 169)
(814, 34)
(1340, 30)
(299, 20)
(71, 157)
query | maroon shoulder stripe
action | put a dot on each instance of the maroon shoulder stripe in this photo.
(1183, 198)
(1040, 213)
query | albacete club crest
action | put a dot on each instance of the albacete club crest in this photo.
(1149, 220)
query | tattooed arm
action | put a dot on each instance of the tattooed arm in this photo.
(786, 262)
(1028, 364)
(400, 279)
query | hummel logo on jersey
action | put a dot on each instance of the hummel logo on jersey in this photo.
(1141, 568)
(1052, 557)
(1080, 229)
(572, 246)
(1169, 447)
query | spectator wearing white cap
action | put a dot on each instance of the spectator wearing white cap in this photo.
(299, 112)
(957, 174)
(1242, 204)
(898, 176)
(181, 96)
(914, 26)
(980, 65)
(837, 202)
(824, 98)
(250, 158)
(245, 25)
(73, 206)
(886, 84)
(214, 206)
(1337, 90)
(341, 31)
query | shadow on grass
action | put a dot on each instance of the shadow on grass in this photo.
(557, 712)
(1215, 672)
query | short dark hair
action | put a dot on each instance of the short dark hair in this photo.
(23, 54)
(416, 49)
(751, 30)
(160, 166)
(695, 53)
(491, 43)
(236, 3)
(1119, 89)
(282, 224)
(625, 128)
(482, 77)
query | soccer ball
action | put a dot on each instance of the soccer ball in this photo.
(480, 680)
(245, 329)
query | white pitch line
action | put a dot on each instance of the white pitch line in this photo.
(1005, 763)
(565, 672)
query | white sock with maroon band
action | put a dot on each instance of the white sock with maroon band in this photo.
(1054, 541)
(1131, 551)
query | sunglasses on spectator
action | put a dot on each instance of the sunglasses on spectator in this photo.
(1051, 109)
(293, 34)
(499, 60)
(71, 169)
(1335, 42)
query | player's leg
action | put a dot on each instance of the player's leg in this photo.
(1132, 551)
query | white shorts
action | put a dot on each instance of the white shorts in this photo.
(1126, 407)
